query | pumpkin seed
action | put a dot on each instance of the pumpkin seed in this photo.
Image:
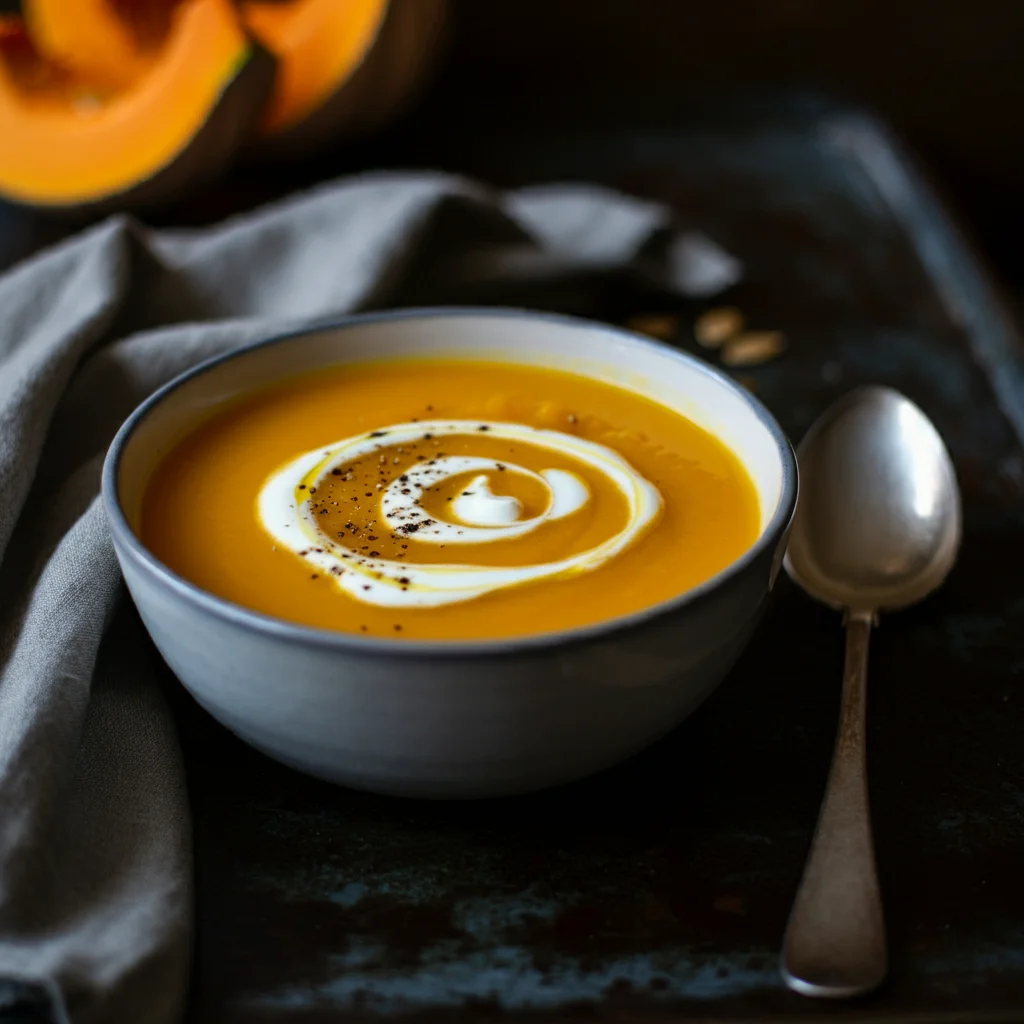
(753, 348)
(717, 326)
(655, 325)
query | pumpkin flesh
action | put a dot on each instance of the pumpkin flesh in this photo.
(317, 43)
(111, 41)
(70, 139)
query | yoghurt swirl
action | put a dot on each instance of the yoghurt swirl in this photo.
(290, 513)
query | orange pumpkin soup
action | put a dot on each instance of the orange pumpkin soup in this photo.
(448, 499)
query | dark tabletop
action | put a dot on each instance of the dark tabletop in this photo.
(663, 886)
(660, 889)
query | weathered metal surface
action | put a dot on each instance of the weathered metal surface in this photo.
(660, 890)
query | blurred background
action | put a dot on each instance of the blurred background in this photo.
(946, 75)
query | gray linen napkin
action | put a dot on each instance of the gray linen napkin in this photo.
(95, 859)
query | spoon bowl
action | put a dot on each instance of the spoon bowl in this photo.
(877, 527)
(878, 522)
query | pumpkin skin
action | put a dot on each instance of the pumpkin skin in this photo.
(75, 144)
(344, 69)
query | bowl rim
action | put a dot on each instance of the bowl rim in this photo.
(283, 629)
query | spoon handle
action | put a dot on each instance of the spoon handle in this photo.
(835, 941)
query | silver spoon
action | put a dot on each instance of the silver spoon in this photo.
(877, 527)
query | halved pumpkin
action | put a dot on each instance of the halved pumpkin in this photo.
(344, 66)
(75, 142)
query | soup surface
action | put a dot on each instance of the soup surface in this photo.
(448, 499)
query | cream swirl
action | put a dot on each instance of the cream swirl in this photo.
(291, 515)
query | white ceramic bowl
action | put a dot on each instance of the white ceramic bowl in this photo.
(455, 718)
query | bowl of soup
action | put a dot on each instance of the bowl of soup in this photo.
(451, 553)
